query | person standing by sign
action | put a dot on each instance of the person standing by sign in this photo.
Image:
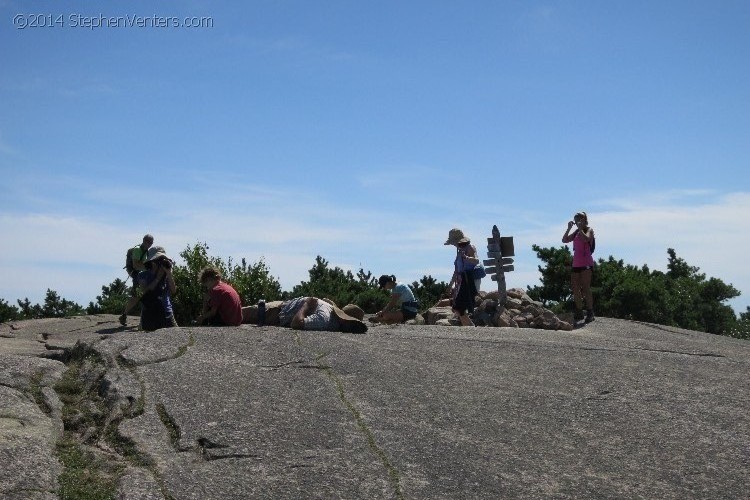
(462, 286)
(583, 264)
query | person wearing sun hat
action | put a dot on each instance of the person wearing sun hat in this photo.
(462, 286)
(312, 313)
(157, 286)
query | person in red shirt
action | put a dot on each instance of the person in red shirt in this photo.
(221, 304)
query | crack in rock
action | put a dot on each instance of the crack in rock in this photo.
(282, 365)
(667, 351)
(205, 445)
(210, 458)
(299, 364)
(208, 444)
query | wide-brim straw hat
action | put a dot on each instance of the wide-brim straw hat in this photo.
(354, 311)
(347, 323)
(456, 236)
(156, 253)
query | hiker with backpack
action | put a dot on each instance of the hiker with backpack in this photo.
(135, 259)
(583, 264)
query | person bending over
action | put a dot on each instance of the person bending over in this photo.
(402, 305)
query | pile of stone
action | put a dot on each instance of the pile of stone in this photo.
(518, 311)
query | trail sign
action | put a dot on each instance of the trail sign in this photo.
(500, 252)
(506, 246)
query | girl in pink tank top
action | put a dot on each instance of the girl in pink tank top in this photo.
(583, 264)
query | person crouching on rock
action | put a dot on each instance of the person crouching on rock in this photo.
(157, 286)
(402, 305)
(221, 303)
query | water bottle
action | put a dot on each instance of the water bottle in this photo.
(261, 312)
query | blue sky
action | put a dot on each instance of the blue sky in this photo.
(364, 131)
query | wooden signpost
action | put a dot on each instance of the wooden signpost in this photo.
(499, 252)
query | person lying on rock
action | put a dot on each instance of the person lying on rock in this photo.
(312, 313)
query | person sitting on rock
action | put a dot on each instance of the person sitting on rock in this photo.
(402, 305)
(312, 313)
(221, 303)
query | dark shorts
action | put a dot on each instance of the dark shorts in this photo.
(409, 310)
(214, 321)
(408, 313)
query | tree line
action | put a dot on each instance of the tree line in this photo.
(682, 296)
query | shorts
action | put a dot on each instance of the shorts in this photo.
(407, 309)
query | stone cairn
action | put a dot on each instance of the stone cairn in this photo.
(518, 311)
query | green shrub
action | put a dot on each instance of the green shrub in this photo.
(112, 300)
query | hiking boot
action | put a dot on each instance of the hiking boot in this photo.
(589, 316)
(578, 315)
(123, 320)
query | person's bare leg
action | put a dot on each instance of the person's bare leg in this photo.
(129, 305)
(587, 294)
(575, 283)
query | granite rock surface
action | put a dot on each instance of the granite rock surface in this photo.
(616, 409)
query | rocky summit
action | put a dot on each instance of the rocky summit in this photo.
(616, 409)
